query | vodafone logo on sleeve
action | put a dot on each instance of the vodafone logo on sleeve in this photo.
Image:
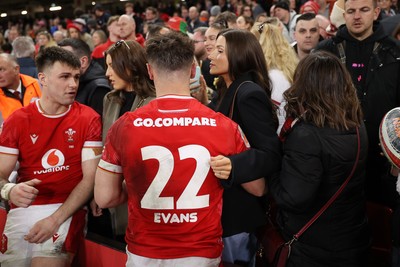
(53, 161)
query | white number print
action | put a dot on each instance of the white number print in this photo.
(188, 198)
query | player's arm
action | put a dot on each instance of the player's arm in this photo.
(109, 189)
(83, 191)
(22, 194)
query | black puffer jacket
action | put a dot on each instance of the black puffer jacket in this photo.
(315, 164)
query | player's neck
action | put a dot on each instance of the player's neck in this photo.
(49, 108)
(171, 88)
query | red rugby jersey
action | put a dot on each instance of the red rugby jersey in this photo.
(175, 201)
(49, 147)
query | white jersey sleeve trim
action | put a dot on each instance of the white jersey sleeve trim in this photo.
(93, 144)
(110, 167)
(9, 150)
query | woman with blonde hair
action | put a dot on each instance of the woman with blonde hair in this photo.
(281, 60)
(44, 40)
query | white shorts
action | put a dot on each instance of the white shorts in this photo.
(15, 251)
(139, 261)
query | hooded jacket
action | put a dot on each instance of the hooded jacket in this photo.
(93, 86)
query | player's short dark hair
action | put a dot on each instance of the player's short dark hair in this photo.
(171, 51)
(50, 55)
(80, 47)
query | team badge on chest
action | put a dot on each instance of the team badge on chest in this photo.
(70, 137)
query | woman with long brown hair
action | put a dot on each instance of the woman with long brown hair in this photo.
(132, 88)
(245, 96)
(320, 151)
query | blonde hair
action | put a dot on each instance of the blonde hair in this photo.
(278, 53)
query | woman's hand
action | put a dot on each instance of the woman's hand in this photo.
(221, 166)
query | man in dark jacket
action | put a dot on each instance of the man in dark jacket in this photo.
(373, 60)
(93, 84)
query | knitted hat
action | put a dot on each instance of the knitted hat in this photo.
(283, 5)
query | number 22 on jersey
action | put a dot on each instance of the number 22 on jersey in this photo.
(188, 199)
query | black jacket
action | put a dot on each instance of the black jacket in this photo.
(315, 164)
(93, 86)
(243, 212)
(376, 77)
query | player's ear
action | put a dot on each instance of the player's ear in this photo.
(150, 71)
(42, 78)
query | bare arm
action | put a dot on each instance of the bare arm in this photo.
(44, 229)
(109, 189)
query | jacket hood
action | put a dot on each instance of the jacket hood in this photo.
(378, 34)
(94, 71)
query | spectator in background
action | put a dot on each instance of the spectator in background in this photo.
(194, 21)
(282, 12)
(386, 8)
(113, 36)
(17, 90)
(281, 62)
(246, 11)
(127, 28)
(12, 34)
(184, 12)
(44, 39)
(309, 7)
(228, 19)
(58, 36)
(152, 16)
(99, 37)
(101, 16)
(210, 37)
(199, 47)
(204, 16)
(24, 51)
(306, 34)
(130, 11)
(93, 84)
(85, 36)
(244, 23)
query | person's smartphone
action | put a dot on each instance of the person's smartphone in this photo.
(197, 77)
